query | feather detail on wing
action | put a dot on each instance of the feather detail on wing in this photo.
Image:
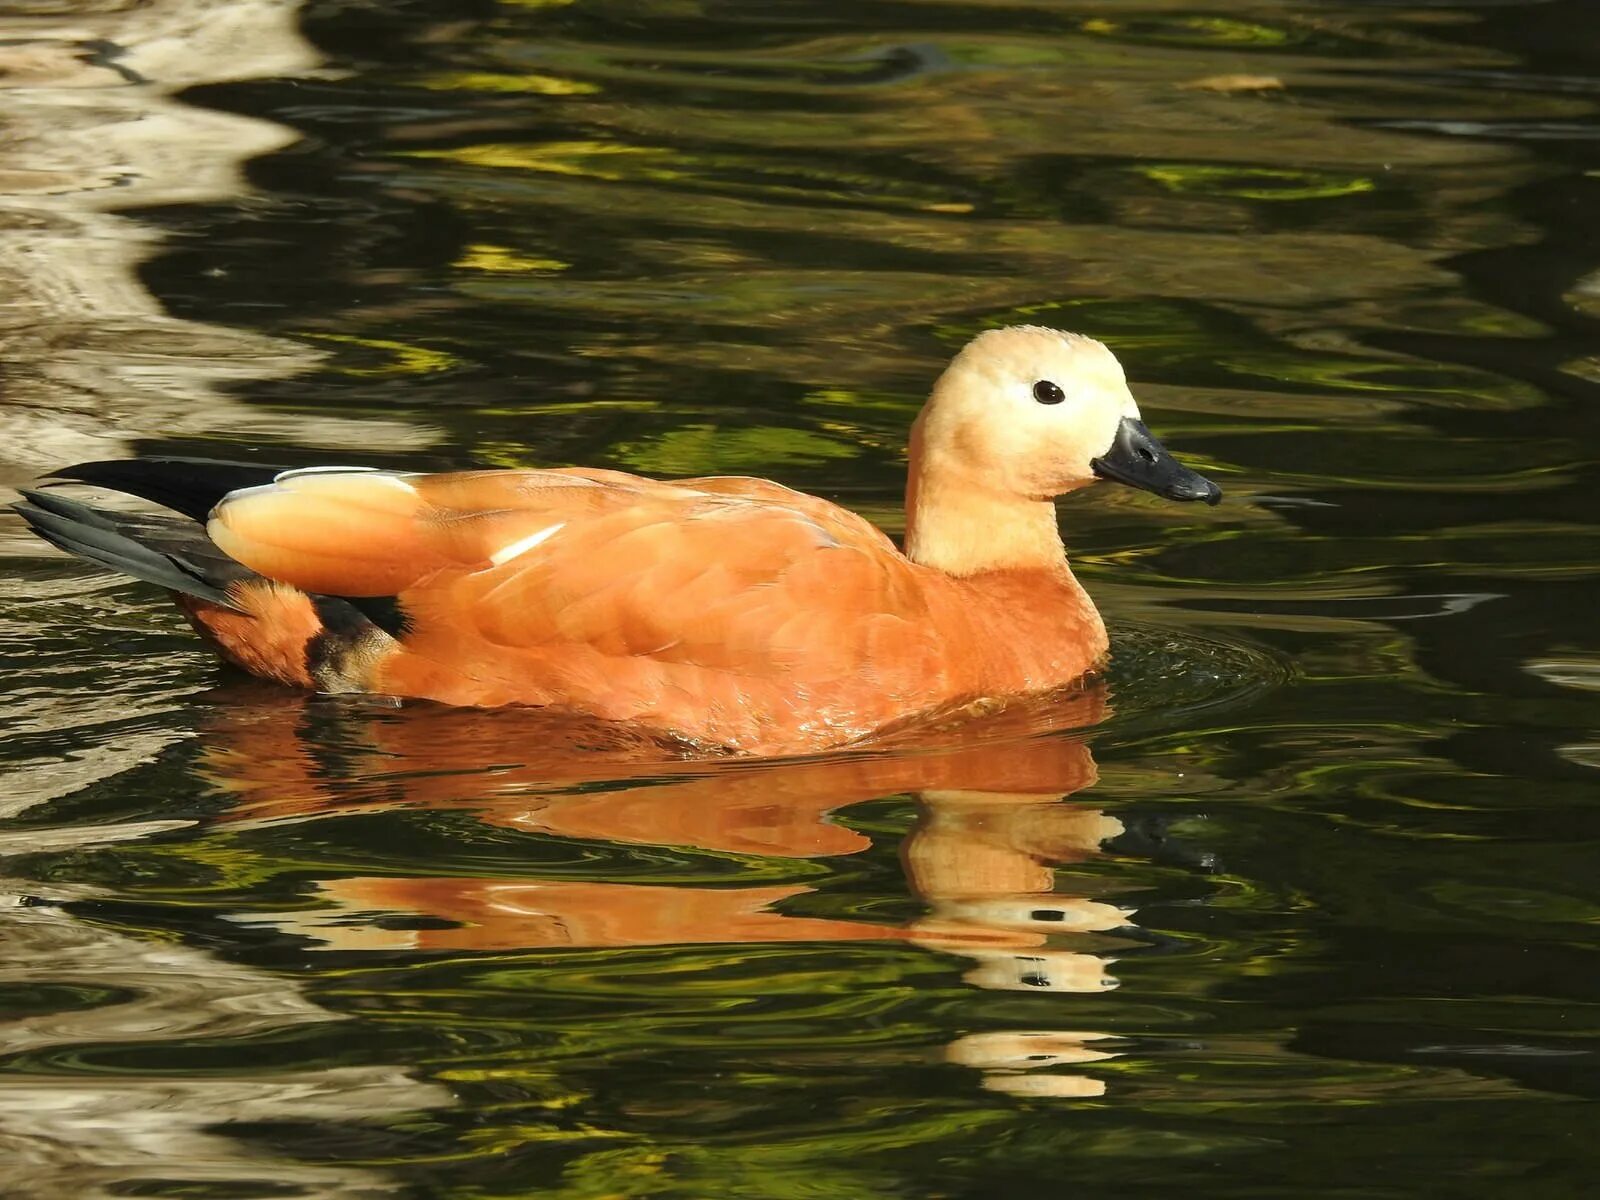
(374, 533)
(524, 558)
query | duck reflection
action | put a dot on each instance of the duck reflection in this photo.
(994, 823)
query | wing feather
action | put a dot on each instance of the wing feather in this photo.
(741, 601)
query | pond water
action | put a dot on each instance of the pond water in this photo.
(1302, 901)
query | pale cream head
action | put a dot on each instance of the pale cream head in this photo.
(1019, 417)
(986, 425)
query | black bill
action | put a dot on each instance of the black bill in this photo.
(1136, 458)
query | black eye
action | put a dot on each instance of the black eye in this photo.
(1046, 392)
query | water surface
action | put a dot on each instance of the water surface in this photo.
(1300, 901)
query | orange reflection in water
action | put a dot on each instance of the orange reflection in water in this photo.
(993, 825)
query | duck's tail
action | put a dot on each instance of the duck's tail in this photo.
(268, 628)
(191, 486)
(171, 552)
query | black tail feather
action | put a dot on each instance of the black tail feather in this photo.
(164, 551)
(191, 486)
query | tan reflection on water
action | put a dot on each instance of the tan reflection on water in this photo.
(80, 1136)
(90, 128)
(995, 821)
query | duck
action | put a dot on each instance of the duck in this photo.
(729, 613)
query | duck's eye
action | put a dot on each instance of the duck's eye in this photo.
(1046, 392)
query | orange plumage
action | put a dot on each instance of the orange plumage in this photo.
(729, 612)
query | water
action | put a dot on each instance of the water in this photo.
(1301, 902)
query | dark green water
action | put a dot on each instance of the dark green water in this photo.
(1314, 912)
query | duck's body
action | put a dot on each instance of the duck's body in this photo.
(730, 612)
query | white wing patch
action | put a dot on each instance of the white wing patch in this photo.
(522, 545)
(373, 473)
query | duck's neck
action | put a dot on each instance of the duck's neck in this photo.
(962, 528)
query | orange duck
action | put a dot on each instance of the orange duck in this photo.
(727, 612)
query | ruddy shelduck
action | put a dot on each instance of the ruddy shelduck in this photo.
(728, 612)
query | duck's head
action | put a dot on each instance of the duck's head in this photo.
(1033, 413)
